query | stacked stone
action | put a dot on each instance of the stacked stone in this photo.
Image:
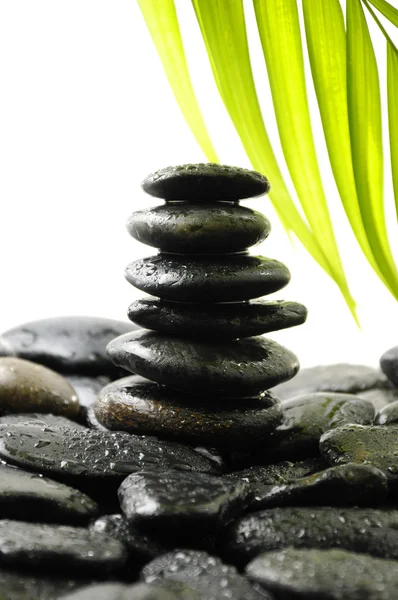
(202, 367)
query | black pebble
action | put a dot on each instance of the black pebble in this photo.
(165, 590)
(205, 182)
(207, 279)
(389, 364)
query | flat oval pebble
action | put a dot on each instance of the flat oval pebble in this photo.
(66, 453)
(67, 344)
(233, 369)
(364, 530)
(137, 405)
(223, 321)
(387, 415)
(344, 485)
(156, 500)
(142, 547)
(207, 279)
(58, 547)
(206, 182)
(40, 420)
(325, 575)
(389, 364)
(306, 418)
(201, 229)
(377, 446)
(340, 377)
(205, 574)
(16, 585)
(139, 591)
(28, 387)
(32, 497)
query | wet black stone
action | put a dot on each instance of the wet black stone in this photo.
(325, 575)
(140, 591)
(344, 485)
(341, 377)
(26, 386)
(87, 388)
(142, 547)
(169, 500)
(73, 454)
(29, 496)
(207, 279)
(234, 369)
(15, 585)
(67, 344)
(387, 415)
(201, 229)
(204, 573)
(205, 182)
(137, 405)
(306, 418)
(363, 530)
(389, 364)
(40, 420)
(377, 446)
(223, 321)
(59, 547)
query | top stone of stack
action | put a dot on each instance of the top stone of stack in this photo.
(205, 182)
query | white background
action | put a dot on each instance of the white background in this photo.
(85, 113)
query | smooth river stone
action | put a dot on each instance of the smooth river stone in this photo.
(140, 406)
(389, 364)
(15, 585)
(169, 500)
(201, 229)
(28, 387)
(67, 344)
(363, 530)
(223, 321)
(233, 369)
(40, 420)
(387, 415)
(344, 485)
(59, 547)
(340, 377)
(32, 497)
(205, 182)
(87, 388)
(325, 575)
(377, 446)
(207, 279)
(205, 574)
(139, 591)
(84, 455)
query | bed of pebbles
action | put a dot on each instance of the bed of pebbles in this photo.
(214, 471)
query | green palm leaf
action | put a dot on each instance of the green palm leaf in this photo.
(161, 19)
(364, 108)
(392, 91)
(387, 10)
(326, 42)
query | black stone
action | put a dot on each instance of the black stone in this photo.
(72, 454)
(201, 229)
(141, 547)
(223, 321)
(139, 591)
(387, 415)
(87, 388)
(207, 278)
(306, 418)
(59, 547)
(234, 369)
(204, 573)
(364, 530)
(40, 420)
(206, 182)
(340, 377)
(15, 585)
(154, 500)
(137, 405)
(377, 446)
(29, 496)
(389, 364)
(67, 344)
(325, 575)
(344, 485)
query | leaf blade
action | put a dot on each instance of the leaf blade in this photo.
(392, 96)
(387, 10)
(161, 19)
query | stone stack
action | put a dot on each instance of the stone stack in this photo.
(202, 367)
